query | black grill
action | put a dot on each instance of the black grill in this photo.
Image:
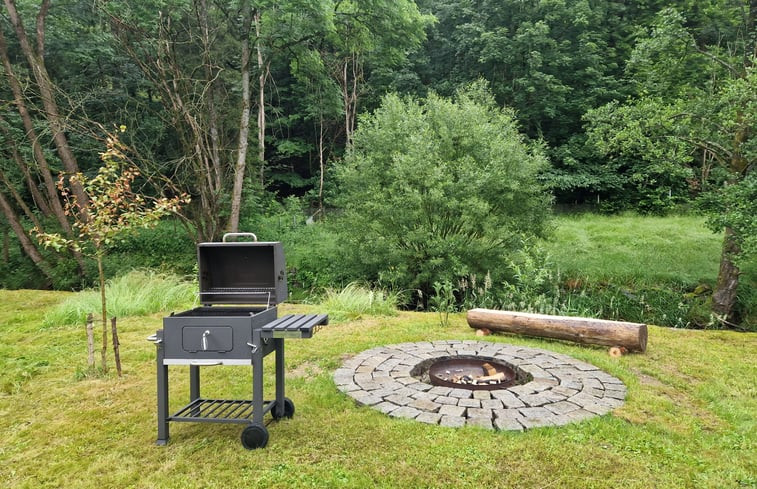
(240, 285)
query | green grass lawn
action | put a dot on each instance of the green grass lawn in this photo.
(658, 270)
(636, 249)
(688, 421)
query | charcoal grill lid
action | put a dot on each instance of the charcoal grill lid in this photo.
(242, 272)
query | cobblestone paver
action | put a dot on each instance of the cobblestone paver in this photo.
(562, 389)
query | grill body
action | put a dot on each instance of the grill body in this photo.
(240, 285)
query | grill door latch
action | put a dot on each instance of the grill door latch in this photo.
(205, 340)
(254, 348)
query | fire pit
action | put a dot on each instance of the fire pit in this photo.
(467, 372)
(542, 388)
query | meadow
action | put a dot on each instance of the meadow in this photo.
(687, 422)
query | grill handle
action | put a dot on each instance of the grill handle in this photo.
(239, 235)
(205, 363)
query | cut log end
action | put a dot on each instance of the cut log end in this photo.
(617, 351)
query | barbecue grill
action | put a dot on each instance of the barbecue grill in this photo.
(240, 283)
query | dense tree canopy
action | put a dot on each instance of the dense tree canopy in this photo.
(636, 105)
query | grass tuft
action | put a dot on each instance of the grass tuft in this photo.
(355, 301)
(138, 293)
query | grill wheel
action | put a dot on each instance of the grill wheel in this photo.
(288, 409)
(254, 436)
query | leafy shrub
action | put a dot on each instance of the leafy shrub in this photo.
(435, 190)
(139, 292)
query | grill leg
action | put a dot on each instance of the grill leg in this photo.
(257, 378)
(279, 346)
(162, 374)
(194, 387)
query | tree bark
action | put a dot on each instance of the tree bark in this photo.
(31, 134)
(261, 98)
(20, 201)
(725, 294)
(632, 336)
(46, 90)
(26, 243)
(244, 124)
(39, 200)
(350, 81)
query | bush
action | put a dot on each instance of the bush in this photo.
(436, 190)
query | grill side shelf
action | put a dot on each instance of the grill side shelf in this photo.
(294, 326)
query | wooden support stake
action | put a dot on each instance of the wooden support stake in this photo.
(90, 341)
(116, 354)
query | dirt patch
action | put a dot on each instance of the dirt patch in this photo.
(307, 369)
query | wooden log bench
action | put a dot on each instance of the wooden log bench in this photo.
(620, 335)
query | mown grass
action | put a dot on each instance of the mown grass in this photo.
(636, 249)
(688, 421)
(659, 270)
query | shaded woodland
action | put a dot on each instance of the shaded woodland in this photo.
(247, 106)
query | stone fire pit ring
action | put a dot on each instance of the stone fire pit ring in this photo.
(557, 388)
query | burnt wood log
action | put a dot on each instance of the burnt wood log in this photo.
(632, 336)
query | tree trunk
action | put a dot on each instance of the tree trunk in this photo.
(632, 336)
(39, 200)
(321, 164)
(26, 244)
(244, 126)
(210, 77)
(261, 99)
(31, 134)
(350, 80)
(724, 296)
(20, 201)
(46, 89)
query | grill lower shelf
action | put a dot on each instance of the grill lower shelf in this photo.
(219, 411)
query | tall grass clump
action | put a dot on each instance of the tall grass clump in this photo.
(137, 293)
(355, 300)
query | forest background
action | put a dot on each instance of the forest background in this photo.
(416, 146)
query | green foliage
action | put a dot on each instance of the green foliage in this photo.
(437, 190)
(167, 246)
(356, 301)
(735, 206)
(311, 246)
(443, 301)
(138, 293)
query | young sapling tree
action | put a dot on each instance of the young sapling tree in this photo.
(112, 210)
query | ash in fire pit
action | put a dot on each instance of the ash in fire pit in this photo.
(471, 373)
(474, 373)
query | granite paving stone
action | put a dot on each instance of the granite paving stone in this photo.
(556, 389)
(448, 410)
(452, 421)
